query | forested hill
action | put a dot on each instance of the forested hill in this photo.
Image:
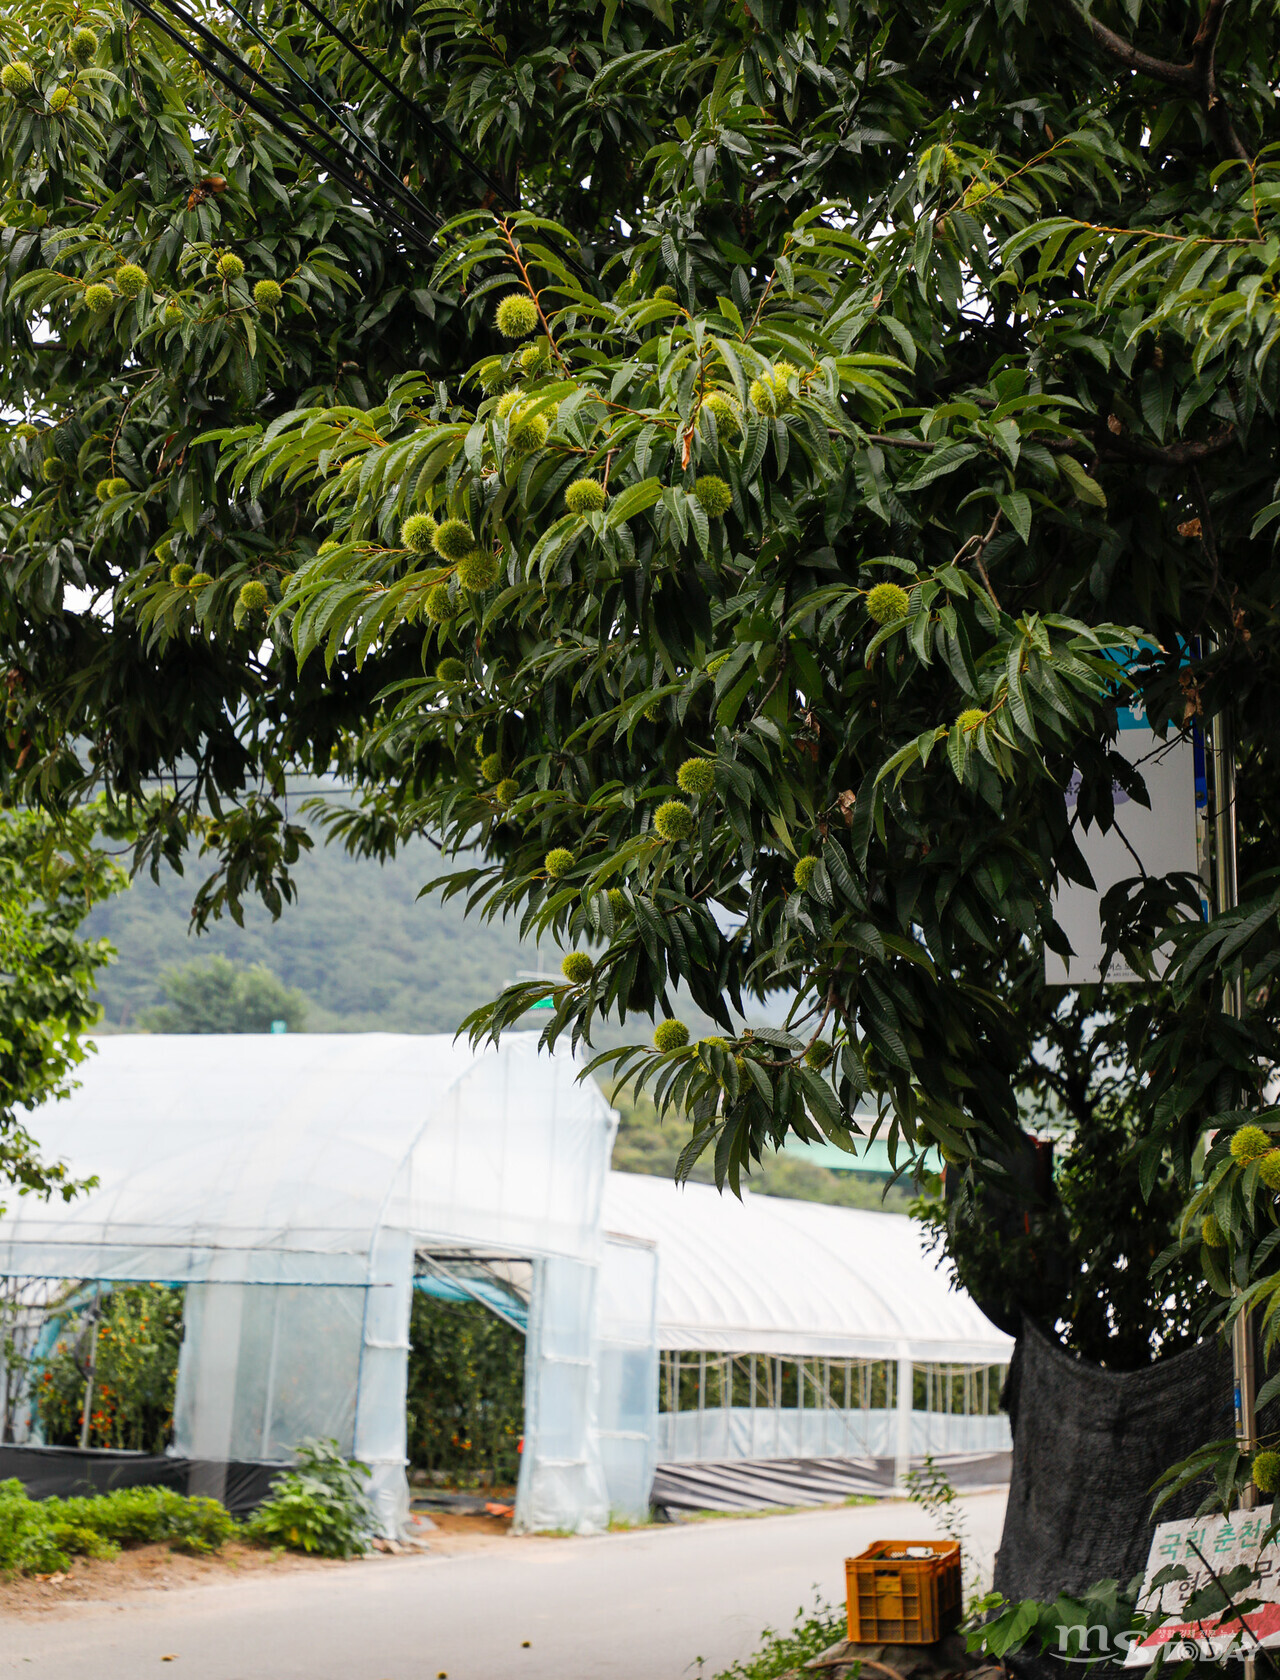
(368, 954)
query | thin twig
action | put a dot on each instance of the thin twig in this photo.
(531, 289)
(974, 549)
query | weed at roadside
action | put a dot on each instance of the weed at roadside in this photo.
(40, 1536)
(812, 1632)
(319, 1507)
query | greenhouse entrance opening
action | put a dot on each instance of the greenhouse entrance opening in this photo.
(465, 1393)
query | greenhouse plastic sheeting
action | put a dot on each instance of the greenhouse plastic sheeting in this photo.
(765, 1275)
(273, 1158)
(295, 1183)
(762, 1432)
(288, 1181)
(626, 1367)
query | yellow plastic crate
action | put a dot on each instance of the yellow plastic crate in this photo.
(904, 1592)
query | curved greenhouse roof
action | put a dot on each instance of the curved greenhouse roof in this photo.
(797, 1279)
(290, 1152)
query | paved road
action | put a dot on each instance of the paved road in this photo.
(639, 1606)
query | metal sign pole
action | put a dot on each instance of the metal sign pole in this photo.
(93, 1316)
(1226, 897)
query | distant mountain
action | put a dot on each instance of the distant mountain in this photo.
(368, 954)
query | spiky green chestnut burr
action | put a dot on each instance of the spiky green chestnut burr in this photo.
(131, 280)
(584, 495)
(670, 1035)
(454, 540)
(1250, 1143)
(418, 533)
(17, 78)
(577, 967)
(673, 820)
(714, 495)
(887, 602)
(696, 777)
(479, 570)
(516, 316)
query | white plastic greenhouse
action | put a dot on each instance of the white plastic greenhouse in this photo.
(791, 1331)
(297, 1185)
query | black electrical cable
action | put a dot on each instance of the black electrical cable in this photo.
(418, 111)
(424, 116)
(273, 120)
(219, 45)
(318, 98)
(338, 168)
(346, 172)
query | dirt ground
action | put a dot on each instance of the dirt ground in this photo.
(152, 1569)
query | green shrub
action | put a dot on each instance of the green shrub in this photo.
(37, 1541)
(319, 1507)
(138, 1515)
(39, 1536)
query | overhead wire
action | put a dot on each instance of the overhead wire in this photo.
(314, 94)
(215, 41)
(423, 116)
(343, 168)
(347, 167)
(411, 234)
(419, 112)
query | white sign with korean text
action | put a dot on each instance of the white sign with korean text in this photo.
(1206, 1547)
(1160, 840)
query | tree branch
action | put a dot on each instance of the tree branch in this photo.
(1203, 51)
(900, 442)
(1181, 454)
(974, 549)
(1131, 57)
(1198, 77)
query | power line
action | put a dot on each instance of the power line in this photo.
(314, 93)
(339, 167)
(274, 120)
(346, 167)
(422, 115)
(219, 45)
(418, 111)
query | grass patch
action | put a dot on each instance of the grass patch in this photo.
(40, 1536)
(319, 1506)
(625, 1527)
